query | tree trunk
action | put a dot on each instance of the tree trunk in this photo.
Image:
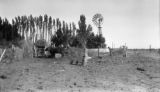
(38, 33)
(25, 36)
(48, 36)
(85, 58)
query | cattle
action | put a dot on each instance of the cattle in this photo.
(118, 51)
(53, 50)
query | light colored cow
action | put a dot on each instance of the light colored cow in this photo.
(118, 51)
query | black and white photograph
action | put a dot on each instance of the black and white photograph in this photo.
(79, 45)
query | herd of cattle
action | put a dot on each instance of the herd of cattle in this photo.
(52, 51)
(48, 51)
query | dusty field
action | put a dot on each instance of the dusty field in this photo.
(139, 72)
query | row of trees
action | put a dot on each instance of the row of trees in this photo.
(81, 37)
(8, 31)
(52, 30)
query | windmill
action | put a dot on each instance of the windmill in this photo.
(98, 21)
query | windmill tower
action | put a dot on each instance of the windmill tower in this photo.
(98, 20)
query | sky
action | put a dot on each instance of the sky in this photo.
(131, 22)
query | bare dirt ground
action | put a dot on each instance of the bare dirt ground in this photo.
(138, 72)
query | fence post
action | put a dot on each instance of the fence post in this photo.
(2, 55)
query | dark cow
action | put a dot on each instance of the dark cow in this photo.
(54, 50)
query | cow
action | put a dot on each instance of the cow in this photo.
(51, 51)
(118, 51)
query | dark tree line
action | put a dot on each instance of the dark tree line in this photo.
(52, 30)
(8, 32)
